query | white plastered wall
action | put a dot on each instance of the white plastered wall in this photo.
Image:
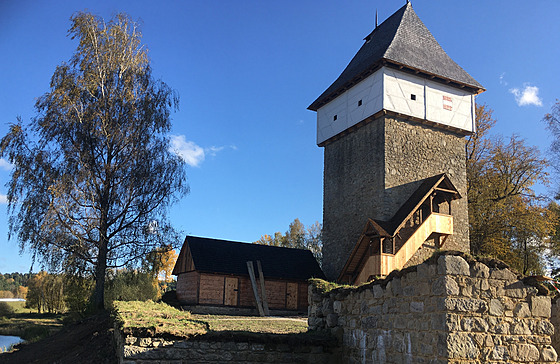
(423, 98)
(347, 109)
(401, 92)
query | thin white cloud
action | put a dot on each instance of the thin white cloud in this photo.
(192, 153)
(213, 150)
(3, 199)
(503, 80)
(4, 164)
(529, 95)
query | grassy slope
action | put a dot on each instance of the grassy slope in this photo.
(159, 319)
(29, 325)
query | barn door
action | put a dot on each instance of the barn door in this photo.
(291, 296)
(230, 296)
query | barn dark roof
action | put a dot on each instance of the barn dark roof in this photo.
(402, 40)
(230, 257)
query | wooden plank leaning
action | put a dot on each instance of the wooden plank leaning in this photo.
(251, 270)
(263, 289)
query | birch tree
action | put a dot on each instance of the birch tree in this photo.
(93, 174)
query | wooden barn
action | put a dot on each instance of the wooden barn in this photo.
(227, 273)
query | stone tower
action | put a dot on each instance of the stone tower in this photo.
(396, 116)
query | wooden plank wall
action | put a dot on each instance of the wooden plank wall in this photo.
(276, 294)
(246, 297)
(208, 289)
(302, 296)
(187, 287)
(211, 289)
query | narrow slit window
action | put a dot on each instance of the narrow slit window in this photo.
(334, 118)
(412, 96)
(360, 103)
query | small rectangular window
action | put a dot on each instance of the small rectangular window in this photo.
(360, 103)
(412, 96)
(334, 118)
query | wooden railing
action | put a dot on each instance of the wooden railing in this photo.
(382, 264)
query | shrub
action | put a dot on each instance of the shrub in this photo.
(130, 285)
(6, 309)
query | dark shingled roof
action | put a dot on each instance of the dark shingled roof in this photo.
(231, 257)
(401, 40)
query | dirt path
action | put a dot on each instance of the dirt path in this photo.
(88, 341)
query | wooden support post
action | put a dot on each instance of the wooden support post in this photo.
(263, 289)
(431, 204)
(251, 270)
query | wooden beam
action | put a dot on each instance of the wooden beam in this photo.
(251, 270)
(263, 289)
(446, 190)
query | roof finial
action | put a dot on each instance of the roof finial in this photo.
(376, 18)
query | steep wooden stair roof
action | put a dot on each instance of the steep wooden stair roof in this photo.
(440, 183)
(386, 229)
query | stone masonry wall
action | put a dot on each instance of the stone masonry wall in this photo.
(417, 151)
(352, 191)
(442, 311)
(373, 170)
(142, 350)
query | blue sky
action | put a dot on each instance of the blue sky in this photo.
(246, 72)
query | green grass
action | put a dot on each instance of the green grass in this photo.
(156, 319)
(18, 307)
(30, 326)
(159, 319)
(265, 325)
(326, 286)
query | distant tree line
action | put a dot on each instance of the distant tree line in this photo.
(13, 285)
(70, 292)
(298, 236)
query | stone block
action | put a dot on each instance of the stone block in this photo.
(461, 346)
(377, 291)
(466, 305)
(425, 271)
(544, 327)
(526, 353)
(522, 310)
(480, 270)
(503, 274)
(145, 341)
(445, 286)
(409, 291)
(130, 351)
(370, 322)
(520, 328)
(337, 306)
(452, 264)
(332, 320)
(540, 306)
(499, 353)
(548, 354)
(416, 306)
(496, 308)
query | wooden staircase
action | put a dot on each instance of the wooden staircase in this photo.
(380, 265)
(388, 245)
